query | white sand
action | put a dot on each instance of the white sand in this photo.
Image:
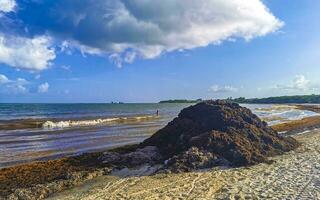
(295, 175)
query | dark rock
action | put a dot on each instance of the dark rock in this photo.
(211, 131)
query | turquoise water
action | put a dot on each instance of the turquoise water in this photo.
(44, 131)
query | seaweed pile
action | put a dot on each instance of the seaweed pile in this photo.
(215, 133)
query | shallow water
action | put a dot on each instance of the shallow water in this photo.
(275, 114)
(76, 128)
(71, 129)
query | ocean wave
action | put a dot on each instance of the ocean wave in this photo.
(94, 122)
(275, 108)
(277, 114)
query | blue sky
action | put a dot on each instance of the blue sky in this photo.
(116, 50)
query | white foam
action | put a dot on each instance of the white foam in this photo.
(307, 131)
(93, 122)
(277, 114)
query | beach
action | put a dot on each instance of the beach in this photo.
(292, 175)
(172, 100)
(37, 132)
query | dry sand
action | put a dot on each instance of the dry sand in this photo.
(295, 175)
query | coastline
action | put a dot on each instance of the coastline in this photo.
(42, 179)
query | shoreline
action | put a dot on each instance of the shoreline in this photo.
(43, 123)
(42, 179)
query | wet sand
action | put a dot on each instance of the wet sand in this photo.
(294, 175)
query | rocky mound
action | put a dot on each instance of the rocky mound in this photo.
(215, 133)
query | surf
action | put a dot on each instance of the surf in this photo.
(95, 122)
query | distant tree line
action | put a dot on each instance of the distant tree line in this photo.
(181, 101)
(270, 100)
(279, 100)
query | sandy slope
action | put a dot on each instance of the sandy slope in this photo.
(295, 175)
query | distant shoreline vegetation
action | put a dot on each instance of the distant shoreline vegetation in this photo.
(181, 101)
(280, 100)
(269, 100)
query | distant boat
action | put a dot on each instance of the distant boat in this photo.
(117, 102)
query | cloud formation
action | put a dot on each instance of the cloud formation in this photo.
(25, 53)
(13, 86)
(7, 5)
(126, 29)
(299, 83)
(3, 79)
(21, 86)
(223, 89)
(43, 88)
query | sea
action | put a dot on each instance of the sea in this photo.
(35, 132)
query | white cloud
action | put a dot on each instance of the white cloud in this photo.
(13, 86)
(18, 89)
(130, 56)
(149, 28)
(43, 88)
(3, 79)
(116, 59)
(223, 89)
(7, 5)
(25, 53)
(22, 81)
(299, 83)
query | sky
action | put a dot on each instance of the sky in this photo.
(67, 51)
